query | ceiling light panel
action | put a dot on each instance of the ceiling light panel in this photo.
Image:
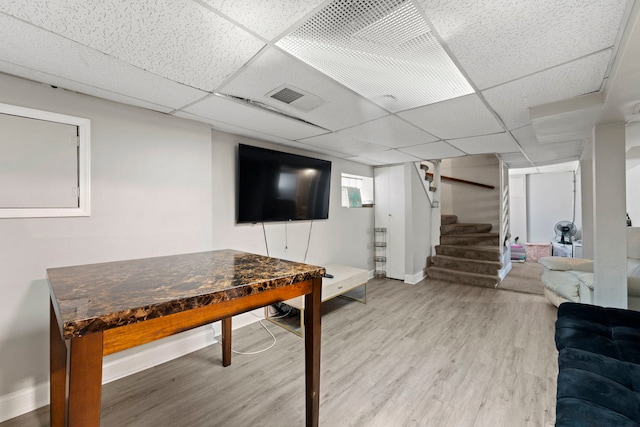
(566, 81)
(34, 53)
(180, 40)
(443, 119)
(497, 41)
(389, 131)
(362, 43)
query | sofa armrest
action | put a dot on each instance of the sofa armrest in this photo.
(564, 264)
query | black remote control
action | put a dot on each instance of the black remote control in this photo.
(328, 276)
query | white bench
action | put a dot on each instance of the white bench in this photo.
(345, 279)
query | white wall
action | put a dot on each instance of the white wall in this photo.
(518, 207)
(633, 195)
(160, 185)
(550, 200)
(418, 233)
(345, 238)
(471, 203)
(151, 188)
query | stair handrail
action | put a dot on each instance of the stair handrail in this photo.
(428, 175)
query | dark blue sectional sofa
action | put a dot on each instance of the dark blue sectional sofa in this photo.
(598, 366)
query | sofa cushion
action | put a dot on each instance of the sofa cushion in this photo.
(559, 263)
(609, 332)
(595, 390)
(564, 283)
(586, 279)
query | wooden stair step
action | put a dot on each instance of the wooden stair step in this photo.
(463, 277)
(470, 239)
(465, 228)
(466, 264)
(448, 219)
(487, 253)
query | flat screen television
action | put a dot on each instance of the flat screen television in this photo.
(277, 186)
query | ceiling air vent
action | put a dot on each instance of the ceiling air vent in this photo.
(287, 95)
(296, 98)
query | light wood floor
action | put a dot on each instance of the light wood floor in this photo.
(432, 354)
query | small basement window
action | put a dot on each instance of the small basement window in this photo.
(357, 191)
(44, 164)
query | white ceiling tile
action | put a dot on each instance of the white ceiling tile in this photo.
(433, 151)
(321, 150)
(515, 160)
(389, 131)
(250, 133)
(497, 143)
(391, 157)
(273, 68)
(250, 117)
(525, 136)
(512, 100)
(343, 144)
(497, 41)
(360, 159)
(180, 40)
(455, 118)
(267, 18)
(552, 152)
(62, 83)
(31, 52)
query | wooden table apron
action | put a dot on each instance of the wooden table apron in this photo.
(76, 363)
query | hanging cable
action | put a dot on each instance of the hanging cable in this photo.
(266, 245)
(308, 241)
(286, 238)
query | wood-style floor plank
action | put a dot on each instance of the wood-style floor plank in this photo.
(431, 354)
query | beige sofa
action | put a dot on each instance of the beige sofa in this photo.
(571, 279)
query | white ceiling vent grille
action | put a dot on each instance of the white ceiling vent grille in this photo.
(382, 49)
(296, 98)
(287, 95)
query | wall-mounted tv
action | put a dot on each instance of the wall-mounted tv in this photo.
(277, 186)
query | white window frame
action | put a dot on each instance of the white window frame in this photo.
(84, 165)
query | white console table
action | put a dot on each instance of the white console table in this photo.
(349, 282)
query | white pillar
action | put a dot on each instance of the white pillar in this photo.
(586, 186)
(609, 208)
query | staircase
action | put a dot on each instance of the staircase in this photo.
(467, 254)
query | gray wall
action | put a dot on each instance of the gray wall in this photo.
(160, 185)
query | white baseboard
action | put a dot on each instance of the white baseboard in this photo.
(127, 362)
(412, 279)
(22, 401)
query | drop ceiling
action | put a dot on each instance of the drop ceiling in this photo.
(377, 82)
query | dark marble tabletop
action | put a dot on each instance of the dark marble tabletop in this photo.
(96, 297)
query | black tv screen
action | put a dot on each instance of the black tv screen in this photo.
(277, 186)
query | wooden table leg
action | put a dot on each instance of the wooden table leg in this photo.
(58, 373)
(226, 341)
(312, 305)
(85, 380)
